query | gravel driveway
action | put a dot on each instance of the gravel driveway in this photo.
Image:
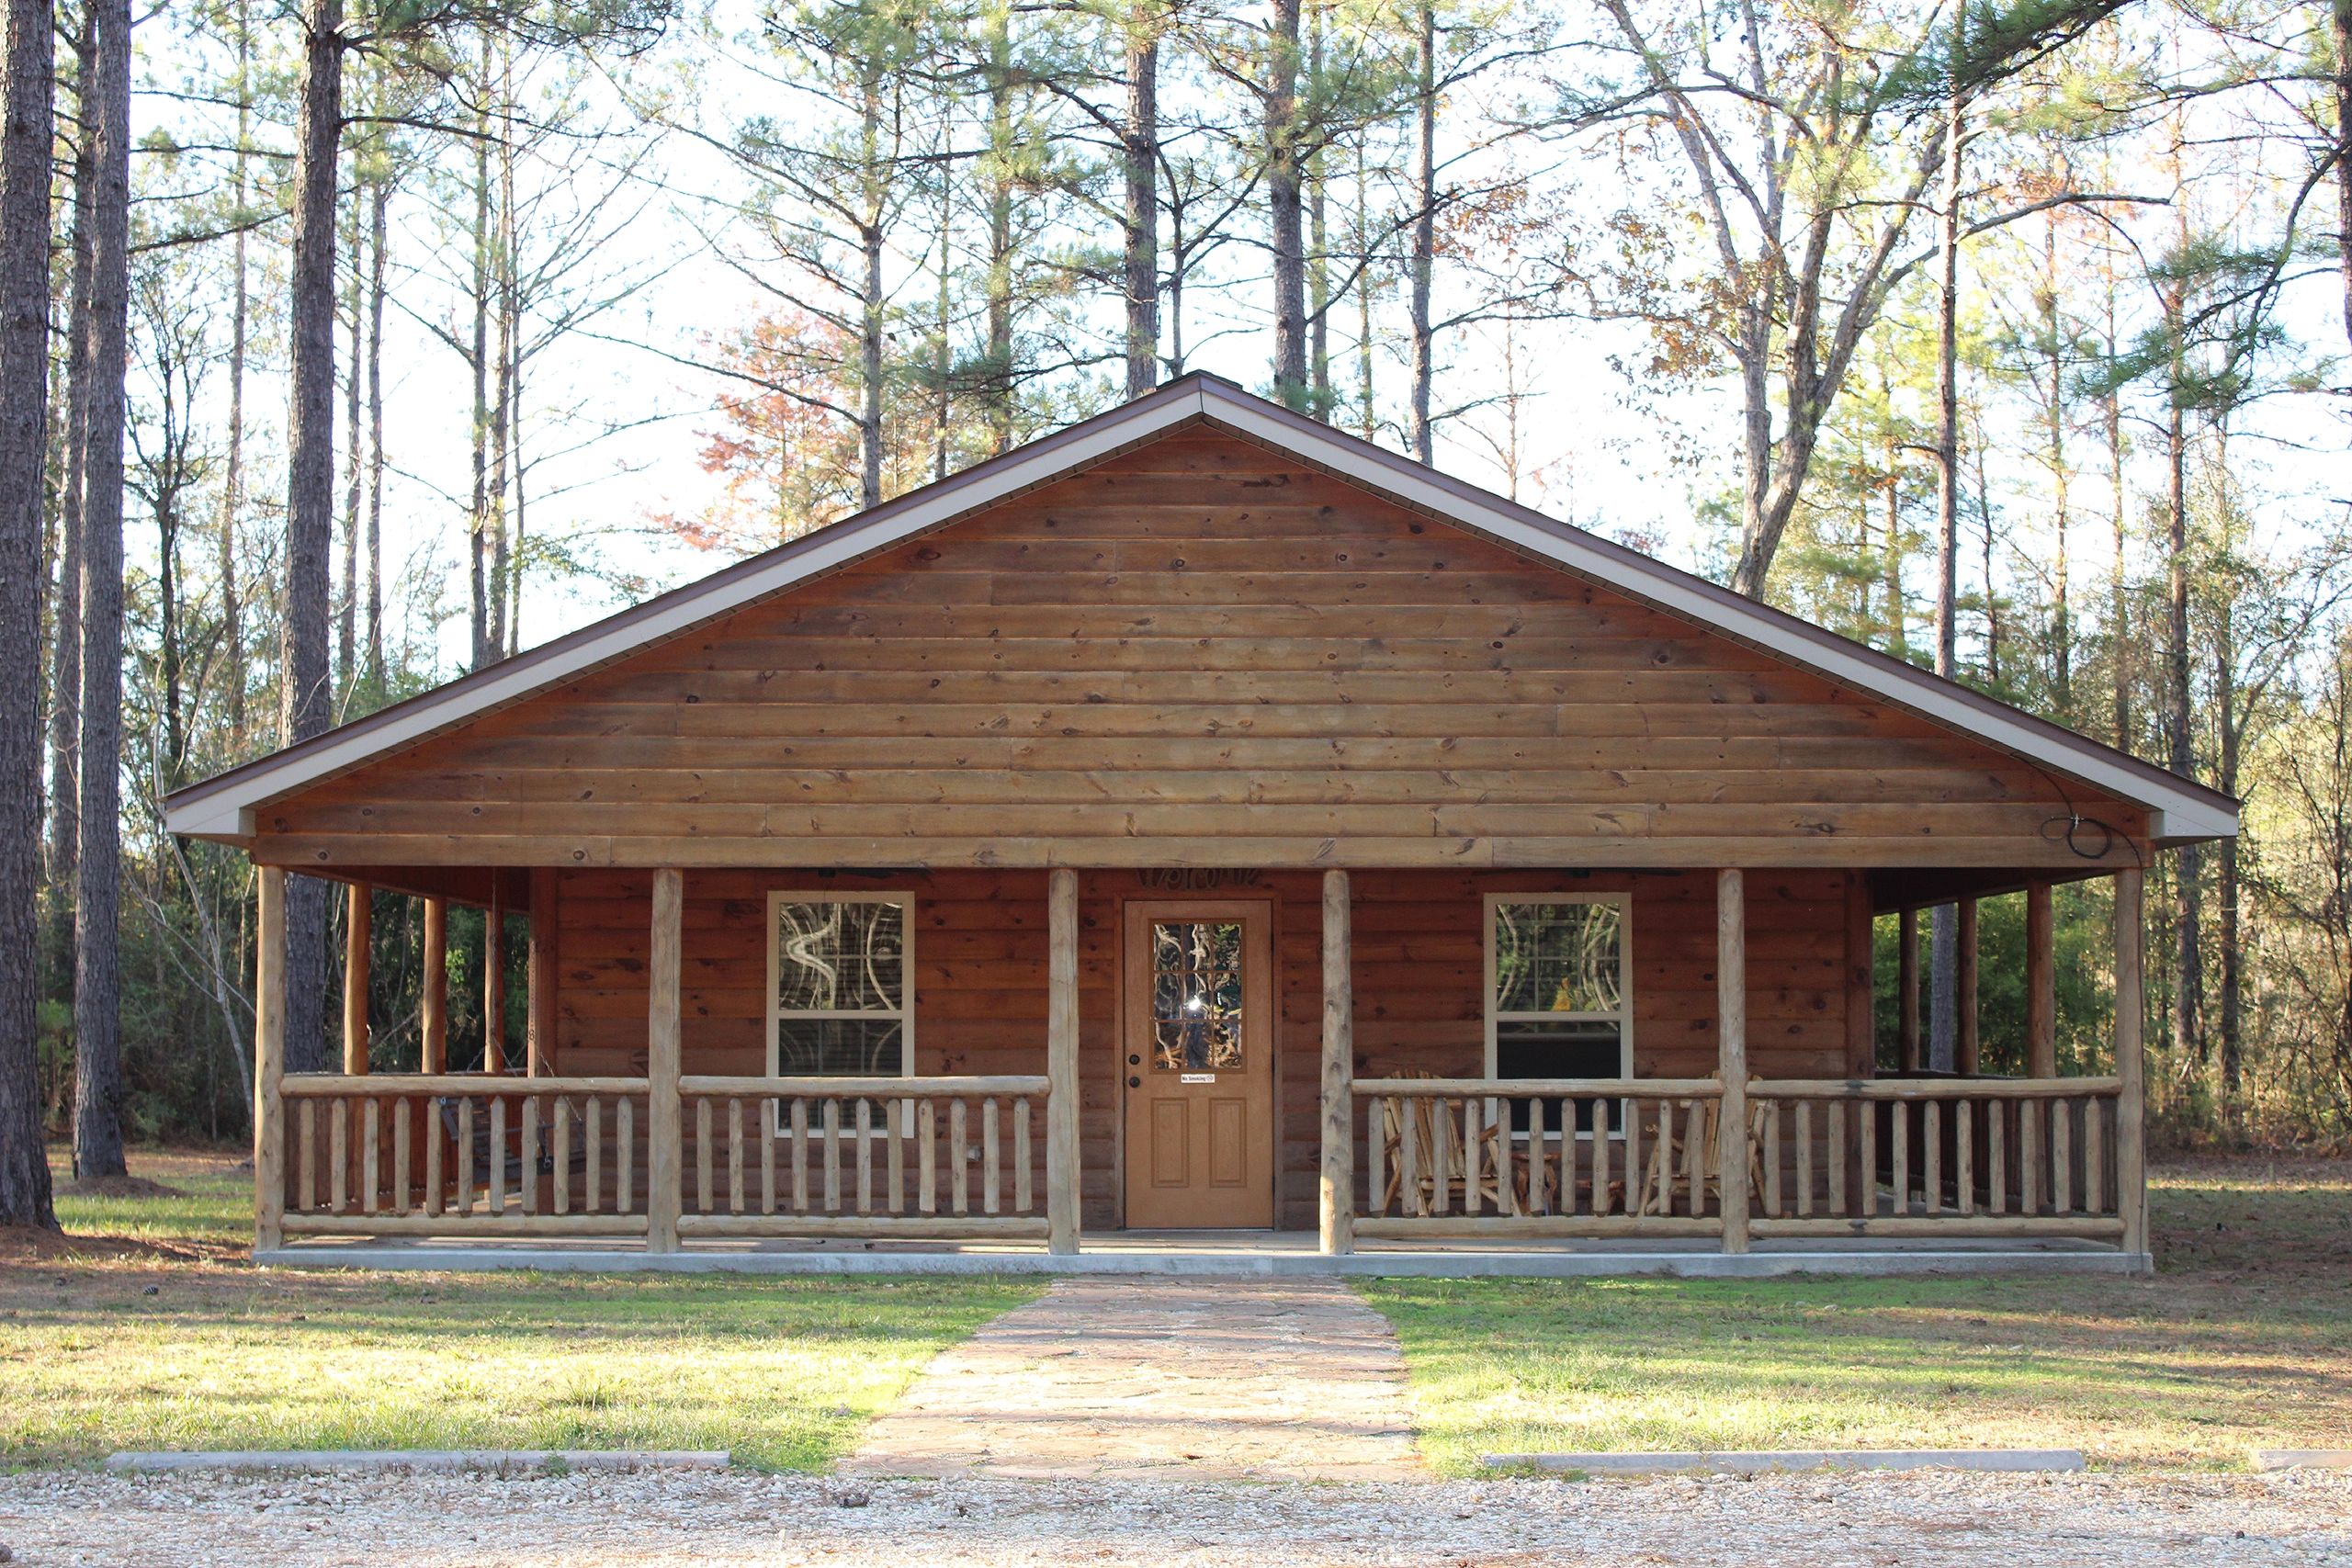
(1914, 1520)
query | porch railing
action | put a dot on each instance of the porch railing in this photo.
(1528, 1158)
(936, 1158)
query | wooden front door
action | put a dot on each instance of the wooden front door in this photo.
(1197, 1060)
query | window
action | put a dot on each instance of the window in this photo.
(1196, 996)
(841, 994)
(1559, 997)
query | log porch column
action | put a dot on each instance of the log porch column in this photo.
(1968, 1049)
(664, 1131)
(270, 1062)
(2040, 983)
(357, 933)
(2130, 1106)
(539, 1050)
(434, 1019)
(1906, 986)
(493, 981)
(1061, 1061)
(1339, 1183)
(1731, 1009)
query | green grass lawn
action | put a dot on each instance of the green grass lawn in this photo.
(785, 1372)
(2245, 1338)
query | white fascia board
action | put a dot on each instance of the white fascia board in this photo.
(2175, 814)
(228, 812)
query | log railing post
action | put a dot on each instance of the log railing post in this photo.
(1968, 1049)
(269, 1062)
(1061, 1061)
(2041, 985)
(1731, 1009)
(357, 933)
(433, 1015)
(666, 1131)
(2130, 1104)
(1906, 983)
(1338, 1189)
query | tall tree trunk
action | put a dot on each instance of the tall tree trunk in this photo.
(2226, 883)
(478, 536)
(873, 321)
(305, 706)
(346, 634)
(26, 136)
(1367, 415)
(377, 227)
(502, 413)
(2342, 30)
(1898, 619)
(66, 654)
(2188, 1023)
(1284, 209)
(2061, 609)
(97, 966)
(1943, 948)
(996, 374)
(232, 480)
(1139, 159)
(1424, 346)
(1318, 257)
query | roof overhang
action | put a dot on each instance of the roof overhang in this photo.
(2178, 810)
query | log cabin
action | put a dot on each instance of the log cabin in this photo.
(1201, 830)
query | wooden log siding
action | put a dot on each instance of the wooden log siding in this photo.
(981, 994)
(1198, 653)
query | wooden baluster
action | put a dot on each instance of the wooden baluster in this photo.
(926, 1157)
(1442, 1165)
(2062, 1157)
(403, 1192)
(1409, 1155)
(768, 1109)
(498, 1153)
(990, 1173)
(593, 1130)
(306, 1171)
(2093, 1156)
(1963, 1137)
(1664, 1158)
(466, 1163)
(1497, 1115)
(703, 1140)
(1805, 1159)
(338, 1155)
(1866, 1200)
(865, 1153)
(1901, 1157)
(1931, 1155)
(832, 1156)
(1539, 1161)
(959, 1137)
(370, 1155)
(1602, 1112)
(734, 1154)
(1472, 1110)
(1837, 1112)
(1996, 1155)
(531, 1155)
(1375, 1157)
(1636, 1194)
(902, 1119)
(1024, 1185)
(624, 1155)
(1772, 1157)
(560, 1178)
(2031, 1151)
(1694, 1148)
(799, 1156)
(433, 1139)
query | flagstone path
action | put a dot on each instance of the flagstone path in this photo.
(1277, 1379)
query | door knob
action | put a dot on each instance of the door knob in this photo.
(1134, 1083)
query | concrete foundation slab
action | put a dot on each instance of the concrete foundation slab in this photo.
(1757, 1462)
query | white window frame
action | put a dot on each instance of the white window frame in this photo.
(1623, 1015)
(905, 1014)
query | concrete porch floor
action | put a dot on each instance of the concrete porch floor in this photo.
(1227, 1253)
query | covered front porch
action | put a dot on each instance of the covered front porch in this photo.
(1034, 1121)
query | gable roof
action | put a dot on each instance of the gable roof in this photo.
(2179, 810)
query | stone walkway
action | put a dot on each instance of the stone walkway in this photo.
(1278, 1379)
